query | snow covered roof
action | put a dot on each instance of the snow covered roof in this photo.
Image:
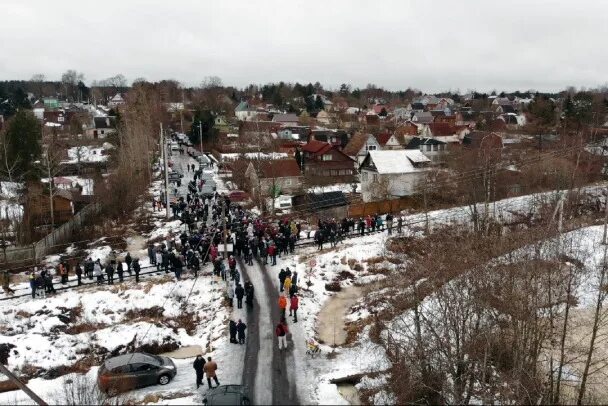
(86, 154)
(397, 161)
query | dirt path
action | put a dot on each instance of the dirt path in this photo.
(330, 321)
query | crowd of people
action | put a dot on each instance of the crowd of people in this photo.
(214, 226)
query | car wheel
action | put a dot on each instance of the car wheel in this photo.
(164, 379)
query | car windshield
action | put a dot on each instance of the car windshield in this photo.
(157, 358)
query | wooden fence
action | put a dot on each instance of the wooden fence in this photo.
(382, 206)
(32, 253)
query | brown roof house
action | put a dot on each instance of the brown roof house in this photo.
(359, 145)
(324, 160)
(274, 177)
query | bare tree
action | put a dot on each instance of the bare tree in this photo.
(70, 79)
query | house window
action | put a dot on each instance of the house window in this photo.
(435, 148)
(375, 177)
(370, 147)
(364, 175)
(327, 157)
(428, 147)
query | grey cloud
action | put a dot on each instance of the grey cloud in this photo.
(432, 45)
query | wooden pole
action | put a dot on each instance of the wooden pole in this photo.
(22, 386)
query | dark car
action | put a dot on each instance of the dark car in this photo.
(227, 395)
(131, 371)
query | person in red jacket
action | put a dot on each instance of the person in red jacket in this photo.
(272, 253)
(293, 307)
(232, 266)
(281, 334)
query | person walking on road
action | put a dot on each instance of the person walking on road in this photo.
(232, 331)
(272, 253)
(210, 368)
(198, 365)
(239, 292)
(293, 307)
(240, 329)
(282, 276)
(281, 335)
(282, 305)
(287, 283)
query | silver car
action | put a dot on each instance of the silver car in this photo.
(131, 371)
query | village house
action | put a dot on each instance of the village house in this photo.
(487, 143)
(37, 206)
(423, 117)
(348, 121)
(246, 112)
(257, 132)
(337, 138)
(432, 148)
(274, 177)
(359, 145)
(325, 118)
(116, 101)
(102, 127)
(394, 141)
(392, 174)
(286, 119)
(321, 159)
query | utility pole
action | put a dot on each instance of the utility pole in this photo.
(605, 220)
(224, 226)
(51, 182)
(166, 166)
(200, 132)
(22, 386)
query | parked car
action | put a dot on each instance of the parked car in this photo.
(227, 395)
(238, 196)
(136, 370)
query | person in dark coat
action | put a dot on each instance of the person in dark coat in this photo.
(249, 293)
(129, 261)
(282, 276)
(232, 330)
(240, 329)
(199, 365)
(136, 269)
(79, 274)
(239, 292)
(110, 273)
(119, 271)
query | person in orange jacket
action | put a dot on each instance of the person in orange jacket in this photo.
(282, 305)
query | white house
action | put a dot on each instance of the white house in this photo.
(245, 112)
(116, 101)
(391, 174)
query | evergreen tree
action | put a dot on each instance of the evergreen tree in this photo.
(319, 103)
(22, 142)
(202, 123)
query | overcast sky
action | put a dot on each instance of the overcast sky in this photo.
(426, 44)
